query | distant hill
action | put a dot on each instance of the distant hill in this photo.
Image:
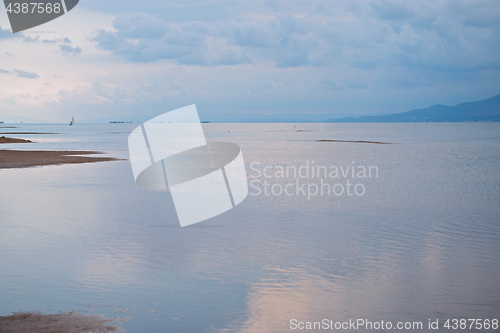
(485, 110)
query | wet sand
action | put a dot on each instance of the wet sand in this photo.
(65, 322)
(25, 133)
(3, 139)
(30, 158)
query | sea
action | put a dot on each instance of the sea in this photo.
(396, 223)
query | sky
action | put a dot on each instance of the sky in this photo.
(118, 58)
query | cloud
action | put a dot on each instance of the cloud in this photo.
(140, 25)
(30, 39)
(320, 56)
(357, 85)
(438, 35)
(3, 71)
(95, 93)
(189, 43)
(143, 38)
(333, 85)
(7, 34)
(66, 49)
(392, 11)
(64, 40)
(37, 39)
(24, 74)
(8, 54)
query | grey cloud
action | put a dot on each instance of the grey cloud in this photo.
(432, 35)
(27, 75)
(424, 23)
(139, 25)
(66, 49)
(333, 85)
(357, 85)
(8, 54)
(190, 43)
(253, 34)
(3, 71)
(30, 39)
(207, 44)
(392, 11)
(64, 40)
(7, 34)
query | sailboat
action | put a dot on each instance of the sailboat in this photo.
(72, 121)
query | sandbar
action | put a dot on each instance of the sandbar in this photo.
(64, 322)
(376, 142)
(29, 158)
(25, 133)
(3, 139)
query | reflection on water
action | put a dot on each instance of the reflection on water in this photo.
(422, 243)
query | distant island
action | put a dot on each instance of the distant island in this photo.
(485, 110)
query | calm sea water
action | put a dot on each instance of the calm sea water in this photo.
(422, 242)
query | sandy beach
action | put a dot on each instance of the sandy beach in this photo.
(30, 158)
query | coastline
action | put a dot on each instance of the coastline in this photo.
(3, 139)
(11, 159)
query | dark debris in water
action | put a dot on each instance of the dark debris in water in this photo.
(376, 142)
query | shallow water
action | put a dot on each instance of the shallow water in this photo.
(422, 242)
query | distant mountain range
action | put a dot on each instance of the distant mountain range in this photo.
(485, 110)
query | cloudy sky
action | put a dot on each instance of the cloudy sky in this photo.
(121, 57)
